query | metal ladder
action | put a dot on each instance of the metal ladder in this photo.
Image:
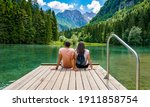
(132, 50)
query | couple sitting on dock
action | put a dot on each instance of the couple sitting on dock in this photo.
(74, 59)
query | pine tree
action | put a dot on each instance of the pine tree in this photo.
(22, 21)
(5, 21)
(54, 27)
(48, 26)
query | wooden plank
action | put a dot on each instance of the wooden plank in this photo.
(106, 82)
(72, 83)
(53, 80)
(40, 80)
(66, 80)
(86, 83)
(27, 79)
(22, 79)
(35, 78)
(98, 80)
(46, 80)
(91, 80)
(79, 83)
(60, 78)
(117, 84)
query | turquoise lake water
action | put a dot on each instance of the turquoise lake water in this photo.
(18, 60)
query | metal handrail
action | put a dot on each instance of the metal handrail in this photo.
(133, 51)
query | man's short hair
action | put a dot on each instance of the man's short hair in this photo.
(67, 44)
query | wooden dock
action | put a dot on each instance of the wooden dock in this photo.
(44, 78)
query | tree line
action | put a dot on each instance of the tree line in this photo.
(131, 24)
(111, 6)
(24, 22)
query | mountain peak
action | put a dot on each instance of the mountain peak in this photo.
(88, 16)
(70, 19)
(70, 11)
(73, 19)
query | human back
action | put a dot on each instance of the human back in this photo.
(82, 59)
(67, 56)
(83, 56)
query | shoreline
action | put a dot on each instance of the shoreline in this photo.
(58, 43)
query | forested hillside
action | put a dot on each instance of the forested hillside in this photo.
(112, 6)
(131, 24)
(24, 22)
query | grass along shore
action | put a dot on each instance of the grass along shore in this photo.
(59, 43)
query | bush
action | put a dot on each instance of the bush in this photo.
(135, 36)
(62, 38)
(74, 39)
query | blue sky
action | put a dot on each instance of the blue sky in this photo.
(62, 5)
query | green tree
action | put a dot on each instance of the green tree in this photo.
(22, 21)
(62, 38)
(135, 36)
(74, 39)
(54, 27)
(48, 28)
(125, 35)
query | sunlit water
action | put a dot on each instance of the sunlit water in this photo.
(18, 60)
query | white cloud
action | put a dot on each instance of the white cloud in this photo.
(41, 2)
(94, 6)
(60, 6)
(82, 8)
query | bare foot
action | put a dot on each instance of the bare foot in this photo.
(75, 69)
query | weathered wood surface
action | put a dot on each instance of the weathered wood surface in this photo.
(45, 78)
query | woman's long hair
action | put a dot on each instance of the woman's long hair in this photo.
(81, 48)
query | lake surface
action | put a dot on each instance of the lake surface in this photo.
(18, 60)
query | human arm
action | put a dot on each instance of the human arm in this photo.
(90, 61)
(59, 60)
(73, 61)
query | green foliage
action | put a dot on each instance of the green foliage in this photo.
(125, 35)
(135, 36)
(111, 7)
(74, 39)
(121, 24)
(24, 22)
(54, 27)
(62, 38)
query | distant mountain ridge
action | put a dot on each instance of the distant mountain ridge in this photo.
(112, 6)
(88, 16)
(73, 19)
